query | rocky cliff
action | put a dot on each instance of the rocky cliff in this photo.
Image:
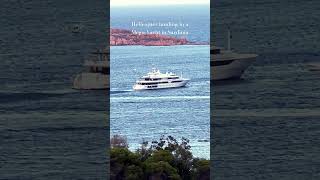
(121, 37)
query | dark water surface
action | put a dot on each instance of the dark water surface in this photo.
(266, 126)
(48, 130)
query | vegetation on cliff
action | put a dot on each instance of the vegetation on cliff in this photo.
(165, 159)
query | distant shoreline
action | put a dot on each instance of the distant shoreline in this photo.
(123, 37)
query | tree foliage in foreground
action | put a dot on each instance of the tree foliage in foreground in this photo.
(165, 159)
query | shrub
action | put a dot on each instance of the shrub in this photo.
(160, 171)
(164, 159)
(125, 164)
(201, 169)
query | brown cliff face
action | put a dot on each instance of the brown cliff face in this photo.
(121, 37)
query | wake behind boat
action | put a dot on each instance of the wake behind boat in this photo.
(157, 80)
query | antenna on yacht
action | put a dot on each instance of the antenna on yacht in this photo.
(229, 39)
(153, 67)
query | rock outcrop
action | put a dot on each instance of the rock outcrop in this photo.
(121, 37)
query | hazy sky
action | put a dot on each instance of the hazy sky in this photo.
(155, 2)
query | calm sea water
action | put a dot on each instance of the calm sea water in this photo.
(266, 126)
(146, 115)
(48, 130)
(182, 112)
(196, 16)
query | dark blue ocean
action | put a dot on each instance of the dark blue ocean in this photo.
(47, 129)
(266, 126)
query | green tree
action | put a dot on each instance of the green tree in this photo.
(125, 164)
(145, 151)
(133, 172)
(165, 159)
(181, 152)
(161, 155)
(201, 168)
(161, 171)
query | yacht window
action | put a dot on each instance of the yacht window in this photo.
(150, 83)
(102, 70)
(173, 78)
(215, 51)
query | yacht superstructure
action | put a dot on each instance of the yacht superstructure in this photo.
(157, 80)
(226, 64)
(97, 72)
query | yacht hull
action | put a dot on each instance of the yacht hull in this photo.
(139, 87)
(91, 81)
(314, 66)
(234, 70)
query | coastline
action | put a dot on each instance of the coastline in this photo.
(124, 37)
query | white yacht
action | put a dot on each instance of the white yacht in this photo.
(157, 80)
(97, 72)
(226, 64)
